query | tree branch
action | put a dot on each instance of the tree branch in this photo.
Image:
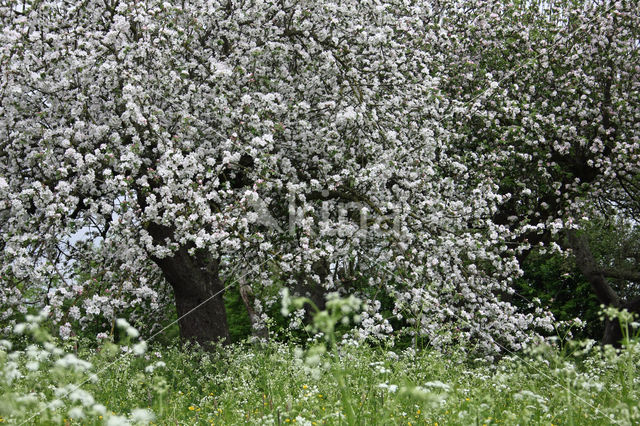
(621, 274)
(587, 265)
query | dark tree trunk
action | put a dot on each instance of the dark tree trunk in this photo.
(201, 317)
(198, 291)
(598, 279)
(612, 332)
(613, 329)
(306, 286)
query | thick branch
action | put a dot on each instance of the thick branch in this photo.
(588, 266)
(621, 274)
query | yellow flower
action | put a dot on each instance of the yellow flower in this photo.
(287, 420)
(319, 395)
(191, 408)
(305, 387)
(466, 399)
(100, 417)
(418, 412)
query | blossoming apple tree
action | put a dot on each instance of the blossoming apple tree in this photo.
(149, 142)
(560, 123)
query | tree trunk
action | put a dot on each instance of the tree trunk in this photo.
(605, 293)
(612, 333)
(613, 329)
(198, 292)
(307, 287)
(201, 317)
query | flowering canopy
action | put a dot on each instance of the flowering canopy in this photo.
(560, 123)
(144, 140)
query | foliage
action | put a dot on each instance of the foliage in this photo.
(239, 324)
(557, 284)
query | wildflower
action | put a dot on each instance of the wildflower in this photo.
(70, 360)
(76, 413)
(391, 388)
(140, 348)
(131, 332)
(117, 421)
(19, 328)
(438, 385)
(140, 415)
(55, 404)
(191, 408)
(82, 396)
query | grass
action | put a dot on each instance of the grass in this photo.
(278, 383)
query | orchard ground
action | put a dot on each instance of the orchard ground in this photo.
(312, 383)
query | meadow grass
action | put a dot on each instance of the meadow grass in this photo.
(324, 383)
